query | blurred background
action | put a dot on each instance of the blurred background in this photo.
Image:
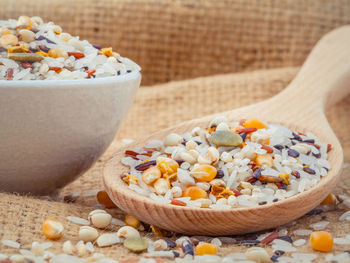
(183, 39)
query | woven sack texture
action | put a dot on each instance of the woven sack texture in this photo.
(181, 39)
(162, 106)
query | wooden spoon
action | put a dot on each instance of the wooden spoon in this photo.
(322, 81)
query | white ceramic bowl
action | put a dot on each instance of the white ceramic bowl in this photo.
(53, 131)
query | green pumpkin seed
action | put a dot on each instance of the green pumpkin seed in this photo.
(25, 57)
(136, 244)
(225, 138)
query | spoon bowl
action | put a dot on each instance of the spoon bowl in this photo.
(322, 81)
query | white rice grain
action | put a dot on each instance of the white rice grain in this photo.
(11, 243)
(78, 220)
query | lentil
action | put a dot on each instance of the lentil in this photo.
(136, 244)
(225, 138)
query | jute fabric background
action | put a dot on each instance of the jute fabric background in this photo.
(181, 39)
(21, 217)
(175, 40)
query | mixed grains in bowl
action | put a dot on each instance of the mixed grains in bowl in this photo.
(33, 50)
(62, 101)
(227, 165)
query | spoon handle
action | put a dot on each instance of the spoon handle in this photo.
(324, 78)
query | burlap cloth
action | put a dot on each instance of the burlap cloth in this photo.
(232, 36)
(182, 39)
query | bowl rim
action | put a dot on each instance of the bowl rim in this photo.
(59, 83)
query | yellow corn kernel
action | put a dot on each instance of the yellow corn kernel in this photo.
(211, 130)
(205, 203)
(206, 249)
(8, 40)
(329, 200)
(129, 178)
(44, 54)
(285, 178)
(321, 241)
(150, 175)
(4, 31)
(24, 22)
(204, 173)
(171, 178)
(58, 53)
(132, 221)
(161, 186)
(17, 49)
(216, 190)
(194, 192)
(226, 193)
(160, 232)
(107, 52)
(104, 199)
(167, 165)
(262, 159)
(52, 229)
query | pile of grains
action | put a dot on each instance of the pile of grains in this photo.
(227, 165)
(33, 50)
(276, 245)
